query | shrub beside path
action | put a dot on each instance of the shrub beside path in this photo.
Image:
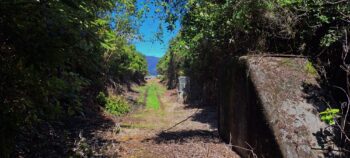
(173, 130)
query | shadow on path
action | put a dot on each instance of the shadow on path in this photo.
(205, 114)
(185, 136)
(58, 139)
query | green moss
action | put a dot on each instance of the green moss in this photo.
(310, 69)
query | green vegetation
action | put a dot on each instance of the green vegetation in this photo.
(216, 32)
(153, 111)
(151, 91)
(56, 55)
(310, 69)
(101, 99)
(142, 92)
(329, 116)
(152, 101)
(115, 105)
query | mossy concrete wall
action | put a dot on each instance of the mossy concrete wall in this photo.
(263, 107)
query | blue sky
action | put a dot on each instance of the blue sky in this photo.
(149, 45)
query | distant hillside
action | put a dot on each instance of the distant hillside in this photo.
(152, 65)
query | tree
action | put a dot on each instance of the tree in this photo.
(54, 54)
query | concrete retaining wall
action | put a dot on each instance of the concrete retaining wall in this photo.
(263, 107)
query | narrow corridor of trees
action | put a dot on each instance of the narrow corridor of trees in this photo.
(57, 56)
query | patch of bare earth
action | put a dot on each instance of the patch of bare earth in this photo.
(175, 130)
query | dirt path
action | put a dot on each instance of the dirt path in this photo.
(171, 130)
(174, 130)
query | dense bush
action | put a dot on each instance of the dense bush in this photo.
(117, 105)
(215, 31)
(101, 99)
(57, 54)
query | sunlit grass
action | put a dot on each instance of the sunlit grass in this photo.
(153, 89)
(152, 101)
(153, 111)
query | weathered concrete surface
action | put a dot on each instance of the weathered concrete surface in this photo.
(264, 107)
(183, 89)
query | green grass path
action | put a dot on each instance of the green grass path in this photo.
(151, 91)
